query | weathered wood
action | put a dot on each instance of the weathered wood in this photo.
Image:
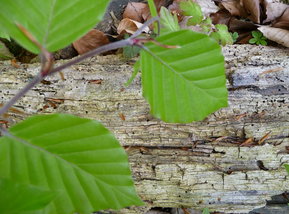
(194, 165)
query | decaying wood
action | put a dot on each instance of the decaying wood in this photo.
(193, 165)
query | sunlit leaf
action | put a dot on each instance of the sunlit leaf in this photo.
(168, 21)
(54, 23)
(186, 83)
(190, 8)
(77, 158)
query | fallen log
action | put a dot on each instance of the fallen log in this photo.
(210, 163)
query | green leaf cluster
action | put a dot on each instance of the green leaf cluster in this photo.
(193, 9)
(258, 38)
(222, 35)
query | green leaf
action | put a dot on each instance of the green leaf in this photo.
(4, 35)
(184, 84)
(130, 51)
(287, 167)
(153, 9)
(257, 34)
(168, 21)
(222, 35)
(206, 25)
(54, 23)
(190, 8)
(263, 42)
(18, 198)
(235, 36)
(154, 13)
(134, 74)
(75, 157)
(206, 211)
(253, 41)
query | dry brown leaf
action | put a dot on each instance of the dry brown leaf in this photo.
(135, 11)
(235, 8)
(129, 26)
(274, 10)
(254, 10)
(282, 21)
(175, 10)
(278, 35)
(90, 41)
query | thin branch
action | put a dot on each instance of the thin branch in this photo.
(37, 79)
(146, 24)
(100, 50)
(49, 70)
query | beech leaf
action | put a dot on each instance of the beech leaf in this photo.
(77, 158)
(18, 198)
(53, 23)
(185, 83)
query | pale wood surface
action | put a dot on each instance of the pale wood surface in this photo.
(181, 165)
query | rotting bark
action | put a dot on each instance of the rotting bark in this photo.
(194, 165)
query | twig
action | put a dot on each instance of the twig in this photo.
(47, 69)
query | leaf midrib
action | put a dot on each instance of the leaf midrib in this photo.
(177, 73)
(50, 18)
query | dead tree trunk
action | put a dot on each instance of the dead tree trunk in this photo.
(194, 165)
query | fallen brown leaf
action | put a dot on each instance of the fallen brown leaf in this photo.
(278, 35)
(90, 41)
(274, 10)
(135, 11)
(235, 8)
(283, 20)
(129, 26)
(254, 10)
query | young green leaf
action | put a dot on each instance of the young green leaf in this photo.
(154, 12)
(192, 9)
(169, 22)
(136, 69)
(222, 35)
(206, 211)
(234, 36)
(18, 198)
(186, 83)
(53, 23)
(258, 38)
(75, 157)
(206, 25)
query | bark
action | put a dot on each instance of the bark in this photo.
(194, 165)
